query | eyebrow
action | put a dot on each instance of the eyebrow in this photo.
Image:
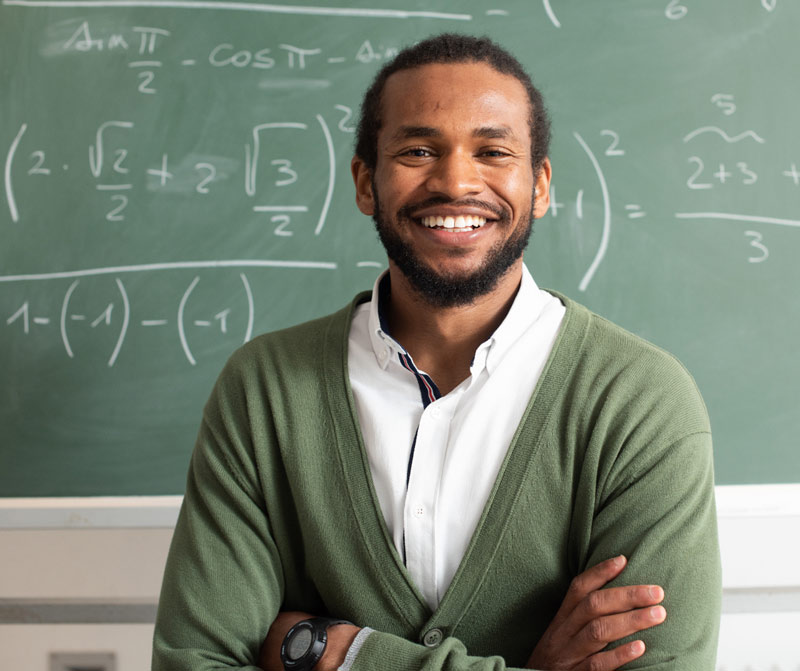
(486, 132)
(494, 132)
(408, 132)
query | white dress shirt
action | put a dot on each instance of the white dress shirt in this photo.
(434, 460)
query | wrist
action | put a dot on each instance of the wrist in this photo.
(340, 638)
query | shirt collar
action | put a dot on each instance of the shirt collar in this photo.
(525, 310)
(383, 345)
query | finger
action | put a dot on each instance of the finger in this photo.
(613, 659)
(591, 580)
(614, 600)
(604, 630)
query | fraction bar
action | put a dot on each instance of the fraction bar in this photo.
(737, 217)
(177, 265)
(280, 208)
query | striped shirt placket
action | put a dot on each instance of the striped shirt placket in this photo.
(428, 390)
(429, 393)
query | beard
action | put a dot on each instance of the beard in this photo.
(445, 290)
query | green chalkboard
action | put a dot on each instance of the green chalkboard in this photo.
(176, 181)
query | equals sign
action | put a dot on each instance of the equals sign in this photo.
(635, 211)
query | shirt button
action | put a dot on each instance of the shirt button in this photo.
(435, 412)
(384, 355)
(433, 638)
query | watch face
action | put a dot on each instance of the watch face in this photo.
(299, 643)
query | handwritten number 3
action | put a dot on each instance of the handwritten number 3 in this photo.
(756, 242)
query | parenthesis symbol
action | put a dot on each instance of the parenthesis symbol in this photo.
(601, 251)
(12, 205)
(331, 174)
(126, 317)
(181, 330)
(64, 307)
(551, 14)
(251, 312)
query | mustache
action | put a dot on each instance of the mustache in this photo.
(407, 211)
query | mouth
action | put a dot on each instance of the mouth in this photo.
(454, 224)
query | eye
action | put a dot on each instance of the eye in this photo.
(494, 153)
(415, 156)
(416, 152)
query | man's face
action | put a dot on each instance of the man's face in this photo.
(452, 192)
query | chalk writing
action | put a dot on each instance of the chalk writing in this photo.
(12, 203)
(756, 242)
(551, 14)
(675, 10)
(289, 163)
(107, 318)
(555, 206)
(746, 135)
(613, 148)
(725, 102)
(601, 250)
(793, 174)
(635, 211)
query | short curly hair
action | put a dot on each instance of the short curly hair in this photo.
(451, 48)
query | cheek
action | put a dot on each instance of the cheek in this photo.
(395, 188)
(515, 188)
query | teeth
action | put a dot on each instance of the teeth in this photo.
(459, 222)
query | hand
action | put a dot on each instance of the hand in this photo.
(590, 618)
(340, 638)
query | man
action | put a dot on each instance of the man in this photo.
(473, 473)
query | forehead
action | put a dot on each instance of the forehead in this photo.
(455, 96)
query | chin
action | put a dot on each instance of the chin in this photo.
(454, 289)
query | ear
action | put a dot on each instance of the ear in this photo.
(362, 178)
(542, 182)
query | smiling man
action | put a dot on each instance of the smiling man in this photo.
(458, 470)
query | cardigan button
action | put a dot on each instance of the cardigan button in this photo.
(433, 638)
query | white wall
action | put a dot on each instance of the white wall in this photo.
(112, 552)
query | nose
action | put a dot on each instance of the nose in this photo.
(455, 175)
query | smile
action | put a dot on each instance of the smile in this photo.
(457, 224)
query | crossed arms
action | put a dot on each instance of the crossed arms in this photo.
(279, 516)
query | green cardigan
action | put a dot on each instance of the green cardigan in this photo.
(613, 456)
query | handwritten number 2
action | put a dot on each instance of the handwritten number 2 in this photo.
(114, 214)
(147, 77)
(692, 181)
(283, 220)
(37, 169)
(212, 171)
(612, 148)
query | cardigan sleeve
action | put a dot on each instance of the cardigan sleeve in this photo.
(223, 583)
(663, 518)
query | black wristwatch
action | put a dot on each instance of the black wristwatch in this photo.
(304, 644)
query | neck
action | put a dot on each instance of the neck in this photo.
(442, 341)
